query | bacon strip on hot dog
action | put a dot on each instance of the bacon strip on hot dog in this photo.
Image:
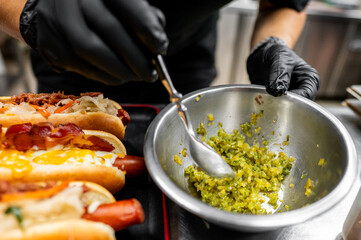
(43, 136)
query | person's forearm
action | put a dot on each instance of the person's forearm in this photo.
(284, 23)
(10, 11)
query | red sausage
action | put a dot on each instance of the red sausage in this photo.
(125, 116)
(118, 215)
(133, 165)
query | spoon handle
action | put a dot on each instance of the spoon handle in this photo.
(162, 71)
(183, 113)
(174, 95)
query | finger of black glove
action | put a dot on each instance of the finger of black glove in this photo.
(281, 64)
(89, 71)
(79, 42)
(78, 65)
(147, 24)
(305, 81)
(112, 32)
(256, 68)
(160, 16)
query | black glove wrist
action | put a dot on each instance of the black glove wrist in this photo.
(273, 64)
(269, 40)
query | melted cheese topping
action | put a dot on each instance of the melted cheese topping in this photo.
(21, 163)
(16, 163)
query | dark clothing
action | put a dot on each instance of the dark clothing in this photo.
(191, 29)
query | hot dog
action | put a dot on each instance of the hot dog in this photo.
(42, 152)
(90, 111)
(63, 210)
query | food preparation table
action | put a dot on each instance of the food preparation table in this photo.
(166, 220)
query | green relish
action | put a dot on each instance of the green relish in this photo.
(259, 173)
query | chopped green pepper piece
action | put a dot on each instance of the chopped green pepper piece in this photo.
(16, 211)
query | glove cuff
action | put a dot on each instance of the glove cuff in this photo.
(27, 23)
(272, 40)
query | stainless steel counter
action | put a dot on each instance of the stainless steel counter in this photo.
(328, 226)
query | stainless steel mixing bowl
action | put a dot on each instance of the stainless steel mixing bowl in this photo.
(313, 133)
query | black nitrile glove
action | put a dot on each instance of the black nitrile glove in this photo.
(110, 41)
(279, 68)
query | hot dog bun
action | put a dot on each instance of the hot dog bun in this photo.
(109, 177)
(91, 112)
(59, 213)
(65, 161)
(75, 229)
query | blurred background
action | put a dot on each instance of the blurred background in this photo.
(330, 42)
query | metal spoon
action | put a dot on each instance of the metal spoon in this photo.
(206, 158)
